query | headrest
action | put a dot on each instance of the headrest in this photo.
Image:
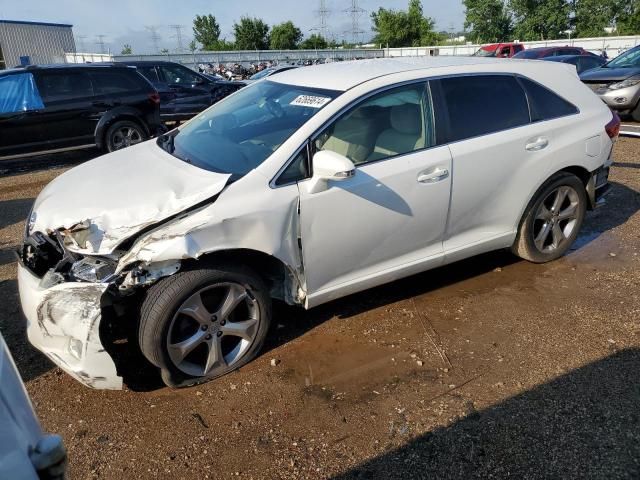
(406, 119)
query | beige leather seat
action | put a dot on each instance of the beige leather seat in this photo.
(405, 135)
(352, 136)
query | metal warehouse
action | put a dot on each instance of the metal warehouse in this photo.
(34, 43)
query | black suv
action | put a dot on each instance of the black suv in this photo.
(183, 92)
(44, 109)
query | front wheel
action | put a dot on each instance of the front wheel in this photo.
(552, 220)
(200, 324)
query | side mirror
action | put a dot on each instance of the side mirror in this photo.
(328, 165)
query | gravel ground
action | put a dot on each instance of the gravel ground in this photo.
(490, 368)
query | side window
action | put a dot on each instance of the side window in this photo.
(480, 105)
(544, 104)
(388, 124)
(297, 170)
(179, 75)
(18, 93)
(149, 73)
(114, 81)
(55, 87)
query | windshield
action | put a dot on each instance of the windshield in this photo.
(485, 53)
(261, 74)
(239, 133)
(628, 59)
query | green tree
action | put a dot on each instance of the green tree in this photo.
(206, 31)
(591, 17)
(628, 20)
(399, 28)
(487, 20)
(193, 46)
(126, 49)
(314, 42)
(251, 34)
(540, 19)
(285, 36)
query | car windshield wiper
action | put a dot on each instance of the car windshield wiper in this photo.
(166, 142)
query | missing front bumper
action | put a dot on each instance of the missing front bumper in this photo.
(63, 322)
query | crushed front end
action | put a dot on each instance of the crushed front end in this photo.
(62, 296)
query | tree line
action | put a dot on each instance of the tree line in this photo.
(503, 20)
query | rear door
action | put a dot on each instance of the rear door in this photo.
(67, 119)
(499, 157)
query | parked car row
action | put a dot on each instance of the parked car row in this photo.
(52, 108)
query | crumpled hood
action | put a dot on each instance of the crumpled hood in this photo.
(603, 74)
(117, 195)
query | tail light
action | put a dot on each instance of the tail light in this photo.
(154, 97)
(613, 127)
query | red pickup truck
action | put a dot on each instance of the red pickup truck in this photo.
(500, 50)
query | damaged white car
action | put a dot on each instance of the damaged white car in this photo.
(306, 187)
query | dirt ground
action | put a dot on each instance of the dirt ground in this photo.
(490, 368)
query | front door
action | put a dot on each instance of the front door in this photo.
(390, 216)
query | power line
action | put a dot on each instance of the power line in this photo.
(155, 37)
(356, 12)
(101, 43)
(178, 37)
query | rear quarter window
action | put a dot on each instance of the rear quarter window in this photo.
(479, 105)
(118, 81)
(545, 104)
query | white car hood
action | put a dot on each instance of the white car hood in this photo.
(117, 195)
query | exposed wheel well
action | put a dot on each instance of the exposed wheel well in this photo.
(580, 172)
(280, 279)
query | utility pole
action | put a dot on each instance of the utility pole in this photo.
(356, 12)
(155, 38)
(323, 14)
(80, 39)
(178, 37)
(100, 42)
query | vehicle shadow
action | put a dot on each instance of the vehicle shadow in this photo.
(14, 211)
(31, 363)
(584, 424)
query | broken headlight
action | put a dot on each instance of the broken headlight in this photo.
(94, 270)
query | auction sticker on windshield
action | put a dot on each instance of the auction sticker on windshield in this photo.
(310, 101)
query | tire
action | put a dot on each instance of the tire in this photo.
(187, 330)
(546, 232)
(635, 114)
(117, 137)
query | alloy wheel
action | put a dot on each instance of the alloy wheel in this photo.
(125, 137)
(556, 219)
(213, 329)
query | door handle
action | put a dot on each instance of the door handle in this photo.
(537, 144)
(433, 175)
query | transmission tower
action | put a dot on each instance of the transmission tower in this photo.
(100, 42)
(155, 37)
(356, 12)
(178, 37)
(323, 14)
(80, 40)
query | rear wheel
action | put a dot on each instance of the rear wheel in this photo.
(552, 220)
(123, 134)
(198, 325)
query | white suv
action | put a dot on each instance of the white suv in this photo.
(309, 186)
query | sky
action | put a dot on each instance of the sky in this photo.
(124, 21)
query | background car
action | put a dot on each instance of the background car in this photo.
(44, 109)
(183, 92)
(581, 62)
(267, 72)
(499, 50)
(617, 83)
(25, 452)
(544, 52)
